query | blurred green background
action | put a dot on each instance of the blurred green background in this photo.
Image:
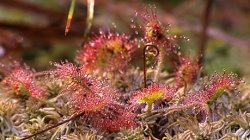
(33, 30)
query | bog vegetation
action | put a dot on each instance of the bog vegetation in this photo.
(102, 95)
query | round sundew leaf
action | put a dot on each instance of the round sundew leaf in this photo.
(100, 52)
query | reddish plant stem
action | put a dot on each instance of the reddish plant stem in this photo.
(204, 38)
(145, 49)
(54, 126)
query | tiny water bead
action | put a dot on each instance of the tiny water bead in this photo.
(101, 32)
(136, 13)
(114, 25)
(132, 20)
(133, 26)
(2, 51)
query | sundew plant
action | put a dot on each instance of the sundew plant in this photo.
(102, 95)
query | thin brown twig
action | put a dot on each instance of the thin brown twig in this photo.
(54, 126)
(204, 36)
(145, 49)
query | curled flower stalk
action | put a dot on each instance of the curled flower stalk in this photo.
(145, 49)
(155, 33)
